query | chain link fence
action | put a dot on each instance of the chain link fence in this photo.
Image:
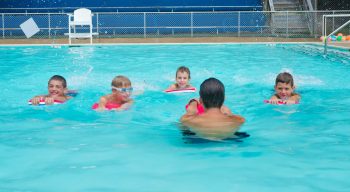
(290, 24)
(331, 5)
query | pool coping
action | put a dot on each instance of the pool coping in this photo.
(177, 40)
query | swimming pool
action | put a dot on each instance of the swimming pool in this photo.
(70, 147)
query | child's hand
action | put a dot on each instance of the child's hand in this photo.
(275, 101)
(36, 100)
(192, 107)
(124, 107)
(49, 100)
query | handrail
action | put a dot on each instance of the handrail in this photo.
(308, 7)
(309, 4)
(335, 31)
(272, 7)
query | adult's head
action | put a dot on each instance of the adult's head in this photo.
(212, 93)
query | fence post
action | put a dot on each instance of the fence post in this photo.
(49, 17)
(144, 24)
(239, 24)
(315, 25)
(191, 24)
(325, 26)
(3, 25)
(333, 22)
(97, 23)
(287, 25)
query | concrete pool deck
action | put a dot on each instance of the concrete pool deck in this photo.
(345, 44)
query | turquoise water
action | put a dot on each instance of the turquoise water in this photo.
(70, 147)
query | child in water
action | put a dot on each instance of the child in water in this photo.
(284, 90)
(183, 76)
(57, 89)
(119, 99)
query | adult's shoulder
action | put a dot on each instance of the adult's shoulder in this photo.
(237, 118)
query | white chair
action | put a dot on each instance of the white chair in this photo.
(80, 17)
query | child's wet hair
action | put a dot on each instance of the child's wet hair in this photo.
(212, 93)
(59, 78)
(121, 81)
(184, 69)
(285, 77)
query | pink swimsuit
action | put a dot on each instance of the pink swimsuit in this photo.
(108, 106)
(200, 107)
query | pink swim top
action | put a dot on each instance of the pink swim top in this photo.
(200, 107)
(108, 106)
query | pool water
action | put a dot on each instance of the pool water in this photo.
(70, 147)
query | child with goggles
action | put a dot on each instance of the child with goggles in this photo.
(119, 99)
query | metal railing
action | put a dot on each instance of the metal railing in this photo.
(174, 24)
(324, 27)
(133, 9)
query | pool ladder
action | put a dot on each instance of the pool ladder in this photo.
(324, 29)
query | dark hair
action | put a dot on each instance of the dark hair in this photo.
(184, 69)
(285, 77)
(59, 78)
(212, 93)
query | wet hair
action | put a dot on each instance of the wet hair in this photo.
(212, 93)
(59, 78)
(285, 77)
(184, 69)
(121, 81)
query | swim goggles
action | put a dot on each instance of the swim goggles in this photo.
(130, 89)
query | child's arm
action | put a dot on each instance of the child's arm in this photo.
(274, 100)
(126, 105)
(36, 100)
(192, 107)
(171, 87)
(189, 86)
(102, 103)
(293, 99)
(60, 98)
(47, 99)
(191, 111)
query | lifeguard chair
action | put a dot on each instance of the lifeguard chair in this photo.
(80, 17)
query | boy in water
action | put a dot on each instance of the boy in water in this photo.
(57, 88)
(284, 90)
(183, 76)
(212, 122)
(119, 99)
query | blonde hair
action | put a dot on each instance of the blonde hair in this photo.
(121, 81)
